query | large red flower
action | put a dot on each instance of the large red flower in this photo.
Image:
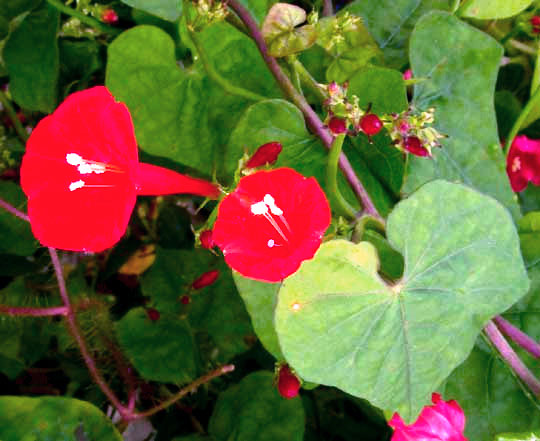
(523, 162)
(272, 222)
(443, 421)
(82, 175)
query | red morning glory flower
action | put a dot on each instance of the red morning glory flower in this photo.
(523, 162)
(272, 222)
(81, 174)
(443, 421)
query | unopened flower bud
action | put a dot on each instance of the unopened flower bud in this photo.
(153, 314)
(535, 23)
(288, 384)
(413, 145)
(109, 16)
(206, 239)
(206, 279)
(371, 124)
(185, 300)
(333, 88)
(265, 154)
(407, 75)
(337, 125)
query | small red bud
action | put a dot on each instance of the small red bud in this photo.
(206, 239)
(333, 88)
(337, 125)
(371, 124)
(109, 16)
(153, 314)
(206, 279)
(407, 75)
(185, 300)
(265, 154)
(288, 384)
(413, 145)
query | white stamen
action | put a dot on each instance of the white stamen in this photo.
(86, 168)
(270, 243)
(276, 226)
(259, 208)
(271, 202)
(74, 159)
(75, 185)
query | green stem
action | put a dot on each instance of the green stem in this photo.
(23, 135)
(89, 21)
(331, 177)
(305, 77)
(214, 75)
(534, 100)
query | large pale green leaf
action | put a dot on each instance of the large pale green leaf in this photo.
(166, 9)
(53, 418)
(15, 234)
(161, 350)
(391, 23)
(260, 300)
(461, 63)
(31, 57)
(528, 436)
(493, 9)
(253, 410)
(340, 324)
(216, 309)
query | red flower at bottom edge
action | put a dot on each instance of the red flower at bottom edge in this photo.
(443, 421)
(81, 174)
(272, 222)
(523, 162)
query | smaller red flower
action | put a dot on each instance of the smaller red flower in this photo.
(205, 279)
(109, 16)
(185, 300)
(271, 223)
(265, 154)
(82, 175)
(523, 162)
(535, 23)
(443, 421)
(288, 384)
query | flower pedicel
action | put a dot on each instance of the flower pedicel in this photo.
(82, 175)
(272, 222)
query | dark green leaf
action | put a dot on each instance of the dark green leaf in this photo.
(161, 350)
(10, 9)
(462, 266)
(54, 418)
(166, 9)
(460, 89)
(32, 61)
(253, 410)
(15, 234)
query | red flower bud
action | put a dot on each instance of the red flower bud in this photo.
(407, 75)
(207, 240)
(371, 124)
(413, 145)
(443, 421)
(337, 125)
(288, 384)
(535, 22)
(265, 154)
(153, 314)
(109, 16)
(333, 88)
(185, 300)
(206, 279)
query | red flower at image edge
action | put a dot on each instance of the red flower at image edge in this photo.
(523, 162)
(81, 174)
(272, 222)
(443, 421)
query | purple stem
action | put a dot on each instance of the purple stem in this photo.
(75, 331)
(22, 311)
(328, 9)
(14, 211)
(510, 357)
(312, 119)
(518, 336)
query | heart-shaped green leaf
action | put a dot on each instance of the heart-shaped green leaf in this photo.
(488, 9)
(461, 91)
(340, 324)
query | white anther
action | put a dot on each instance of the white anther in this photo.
(270, 243)
(74, 159)
(259, 208)
(76, 185)
(86, 168)
(271, 202)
